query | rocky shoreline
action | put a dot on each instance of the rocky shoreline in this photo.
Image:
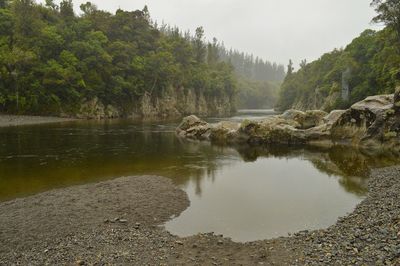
(20, 120)
(373, 123)
(120, 222)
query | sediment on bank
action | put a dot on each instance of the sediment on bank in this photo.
(20, 120)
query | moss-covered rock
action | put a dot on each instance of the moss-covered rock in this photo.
(373, 122)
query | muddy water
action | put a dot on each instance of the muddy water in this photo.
(241, 192)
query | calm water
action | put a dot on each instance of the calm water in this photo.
(244, 193)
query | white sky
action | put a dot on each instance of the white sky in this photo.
(276, 30)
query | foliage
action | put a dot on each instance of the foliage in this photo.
(257, 94)
(388, 13)
(252, 68)
(51, 59)
(257, 79)
(369, 65)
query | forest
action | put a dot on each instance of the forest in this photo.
(369, 65)
(52, 60)
(258, 80)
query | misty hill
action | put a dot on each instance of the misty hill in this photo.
(258, 80)
(251, 67)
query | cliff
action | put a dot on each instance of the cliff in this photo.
(171, 104)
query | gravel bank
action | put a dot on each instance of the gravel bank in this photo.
(19, 120)
(119, 222)
(368, 236)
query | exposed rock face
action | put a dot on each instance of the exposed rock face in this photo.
(365, 122)
(193, 127)
(176, 103)
(94, 109)
(373, 122)
(306, 119)
(173, 103)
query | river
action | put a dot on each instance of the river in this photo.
(241, 192)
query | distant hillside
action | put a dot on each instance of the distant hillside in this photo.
(369, 65)
(258, 80)
(252, 68)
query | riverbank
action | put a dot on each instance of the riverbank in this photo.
(371, 124)
(120, 222)
(21, 120)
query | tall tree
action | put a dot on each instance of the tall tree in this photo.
(388, 13)
(290, 67)
(67, 10)
(199, 47)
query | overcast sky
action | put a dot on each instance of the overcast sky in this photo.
(276, 30)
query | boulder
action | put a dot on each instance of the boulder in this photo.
(374, 104)
(224, 131)
(274, 129)
(333, 117)
(373, 122)
(193, 127)
(304, 120)
(313, 118)
(189, 122)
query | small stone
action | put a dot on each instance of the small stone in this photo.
(179, 242)
(123, 221)
(79, 262)
(220, 242)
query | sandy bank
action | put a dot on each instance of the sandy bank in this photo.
(19, 120)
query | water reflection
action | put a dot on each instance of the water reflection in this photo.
(39, 158)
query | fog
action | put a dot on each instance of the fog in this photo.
(276, 30)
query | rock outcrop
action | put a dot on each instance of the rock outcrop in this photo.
(372, 123)
(172, 104)
(193, 127)
(95, 109)
(176, 103)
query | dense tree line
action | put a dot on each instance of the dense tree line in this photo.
(251, 67)
(256, 94)
(368, 66)
(258, 80)
(51, 59)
